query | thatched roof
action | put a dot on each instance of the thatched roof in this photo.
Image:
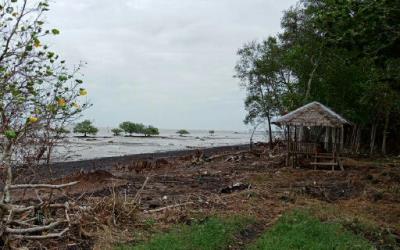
(312, 114)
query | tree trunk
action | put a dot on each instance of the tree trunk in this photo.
(308, 90)
(269, 131)
(358, 138)
(385, 128)
(6, 162)
(372, 140)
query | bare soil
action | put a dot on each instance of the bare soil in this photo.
(187, 185)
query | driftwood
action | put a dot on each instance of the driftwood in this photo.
(42, 186)
(168, 207)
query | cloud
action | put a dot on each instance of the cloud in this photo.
(166, 63)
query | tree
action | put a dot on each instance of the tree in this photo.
(182, 132)
(211, 132)
(85, 128)
(343, 54)
(131, 128)
(150, 130)
(260, 73)
(39, 96)
(116, 131)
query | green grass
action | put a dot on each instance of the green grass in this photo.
(299, 230)
(214, 233)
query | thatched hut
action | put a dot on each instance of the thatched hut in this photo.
(323, 120)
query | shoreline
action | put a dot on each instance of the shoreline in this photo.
(61, 169)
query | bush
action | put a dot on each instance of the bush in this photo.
(85, 128)
(150, 130)
(182, 132)
(131, 127)
(116, 131)
(63, 131)
(138, 128)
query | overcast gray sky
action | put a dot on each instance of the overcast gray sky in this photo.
(168, 63)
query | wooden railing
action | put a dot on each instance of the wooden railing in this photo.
(303, 147)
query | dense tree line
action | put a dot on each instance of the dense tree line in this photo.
(344, 54)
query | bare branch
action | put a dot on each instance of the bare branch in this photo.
(33, 229)
(22, 186)
(40, 237)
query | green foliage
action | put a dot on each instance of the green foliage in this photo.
(38, 93)
(150, 130)
(214, 233)
(63, 130)
(299, 230)
(10, 134)
(116, 131)
(131, 128)
(344, 54)
(85, 128)
(138, 128)
(182, 132)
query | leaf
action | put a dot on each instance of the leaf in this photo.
(55, 31)
(10, 134)
(36, 43)
(82, 92)
(33, 119)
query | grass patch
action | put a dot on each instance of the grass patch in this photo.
(359, 222)
(214, 233)
(300, 230)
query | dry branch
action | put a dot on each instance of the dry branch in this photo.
(40, 237)
(168, 207)
(22, 186)
(33, 229)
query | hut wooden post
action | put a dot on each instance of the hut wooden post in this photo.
(288, 145)
(333, 139)
(326, 139)
(341, 138)
(296, 149)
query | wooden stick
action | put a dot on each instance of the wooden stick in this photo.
(167, 207)
(40, 237)
(32, 229)
(135, 199)
(21, 186)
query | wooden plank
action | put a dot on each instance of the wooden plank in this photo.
(324, 163)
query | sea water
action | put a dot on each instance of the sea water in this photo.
(104, 144)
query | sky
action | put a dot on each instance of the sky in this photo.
(168, 63)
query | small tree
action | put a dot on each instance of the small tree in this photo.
(211, 132)
(39, 95)
(182, 132)
(85, 128)
(130, 127)
(150, 130)
(116, 131)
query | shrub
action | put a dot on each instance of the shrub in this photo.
(150, 130)
(182, 132)
(116, 131)
(85, 128)
(131, 127)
